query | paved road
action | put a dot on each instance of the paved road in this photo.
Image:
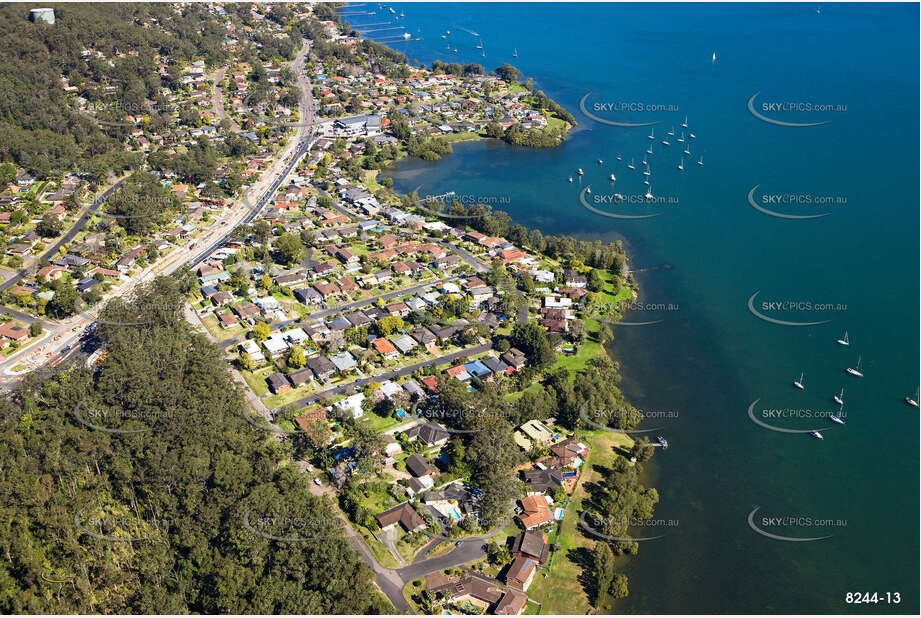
(217, 101)
(66, 238)
(23, 317)
(341, 309)
(389, 375)
(479, 266)
(470, 549)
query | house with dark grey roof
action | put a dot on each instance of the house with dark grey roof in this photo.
(320, 366)
(418, 466)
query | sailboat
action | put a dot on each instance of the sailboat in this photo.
(691, 136)
(646, 171)
(600, 162)
(649, 150)
(645, 161)
(652, 133)
(580, 172)
(714, 58)
(687, 149)
(799, 383)
(612, 177)
(817, 435)
(681, 139)
(839, 417)
(700, 161)
(684, 124)
(855, 371)
(665, 142)
(620, 158)
(912, 402)
(844, 340)
(631, 166)
(839, 398)
(681, 164)
(588, 189)
(570, 179)
(515, 53)
(671, 132)
(649, 195)
(480, 45)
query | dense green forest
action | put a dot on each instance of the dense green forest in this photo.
(140, 488)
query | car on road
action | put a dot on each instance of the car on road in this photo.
(458, 544)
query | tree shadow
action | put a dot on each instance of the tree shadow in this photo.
(582, 556)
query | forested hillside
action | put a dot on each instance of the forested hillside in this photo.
(140, 488)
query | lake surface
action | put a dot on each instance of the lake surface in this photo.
(710, 357)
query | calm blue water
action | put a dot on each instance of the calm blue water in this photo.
(711, 358)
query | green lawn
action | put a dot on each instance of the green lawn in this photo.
(256, 380)
(463, 136)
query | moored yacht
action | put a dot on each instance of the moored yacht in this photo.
(631, 165)
(817, 435)
(855, 371)
(844, 340)
(799, 383)
(839, 398)
(681, 164)
(839, 417)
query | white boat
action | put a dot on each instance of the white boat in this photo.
(646, 171)
(649, 195)
(681, 164)
(645, 161)
(444, 36)
(620, 158)
(855, 371)
(612, 177)
(588, 189)
(844, 340)
(455, 50)
(839, 398)
(671, 132)
(618, 197)
(665, 142)
(515, 53)
(700, 161)
(645, 181)
(652, 133)
(691, 136)
(817, 435)
(580, 172)
(631, 166)
(681, 139)
(685, 123)
(649, 150)
(407, 35)
(600, 162)
(714, 58)
(839, 417)
(570, 179)
(912, 402)
(687, 149)
(799, 383)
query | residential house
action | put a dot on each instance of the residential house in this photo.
(404, 515)
(534, 512)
